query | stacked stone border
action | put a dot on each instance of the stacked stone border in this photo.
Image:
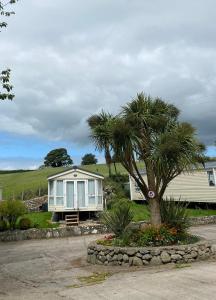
(203, 220)
(19, 235)
(142, 256)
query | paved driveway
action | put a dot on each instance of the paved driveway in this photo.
(50, 269)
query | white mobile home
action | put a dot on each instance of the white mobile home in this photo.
(197, 186)
(75, 190)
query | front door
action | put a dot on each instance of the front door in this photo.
(81, 194)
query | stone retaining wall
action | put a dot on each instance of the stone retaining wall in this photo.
(19, 235)
(203, 220)
(115, 256)
(36, 203)
(34, 233)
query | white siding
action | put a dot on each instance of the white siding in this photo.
(75, 176)
(193, 187)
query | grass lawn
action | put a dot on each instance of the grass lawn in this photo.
(41, 219)
(198, 212)
(141, 212)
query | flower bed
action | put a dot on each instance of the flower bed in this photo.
(141, 256)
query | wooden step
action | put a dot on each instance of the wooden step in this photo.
(72, 219)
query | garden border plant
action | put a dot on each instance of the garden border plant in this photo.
(172, 231)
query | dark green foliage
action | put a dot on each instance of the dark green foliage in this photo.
(3, 225)
(118, 218)
(115, 184)
(14, 171)
(24, 223)
(11, 210)
(58, 158)
(153, 236)
(89, 159)
(174, 214)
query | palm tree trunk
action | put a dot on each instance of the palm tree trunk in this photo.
(108, 159)
(115, 167)
(155, 211)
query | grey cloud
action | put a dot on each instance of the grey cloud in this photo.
(72, 59)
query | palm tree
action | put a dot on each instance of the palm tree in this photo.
(100, 126)
(149, 129)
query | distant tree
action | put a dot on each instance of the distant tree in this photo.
(41, 167)
(6, 87)
(58, 158)
(89, 159)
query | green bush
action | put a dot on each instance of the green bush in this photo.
(157, 236)
(3, 225)
(174, 214)
(116, 200)
(153, 236)
(11, 210)
(24, 224)
(118, 218)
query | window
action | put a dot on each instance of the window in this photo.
(137, 189)
(51, 193)
(59, 192)
(51, 188)
(91, 191)
(211, 178)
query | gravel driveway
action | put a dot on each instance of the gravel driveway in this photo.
(51, 269)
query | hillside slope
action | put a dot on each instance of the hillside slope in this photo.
(25, 185)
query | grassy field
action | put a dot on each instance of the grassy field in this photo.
(15, 185)
(29, 183)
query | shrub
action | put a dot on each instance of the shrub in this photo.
(116, 200)
(153, 236)
(24, 223)
(11, 210)
(3, 225)
(157, 236)
(174, 214)
(118, 218)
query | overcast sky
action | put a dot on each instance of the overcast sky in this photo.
(72, 58)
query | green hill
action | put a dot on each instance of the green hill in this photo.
(25, 185)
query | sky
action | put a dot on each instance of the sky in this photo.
(71, 59)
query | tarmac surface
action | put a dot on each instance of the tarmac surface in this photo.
(56, 269)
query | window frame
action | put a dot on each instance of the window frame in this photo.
(211, 177)
(59, 197)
